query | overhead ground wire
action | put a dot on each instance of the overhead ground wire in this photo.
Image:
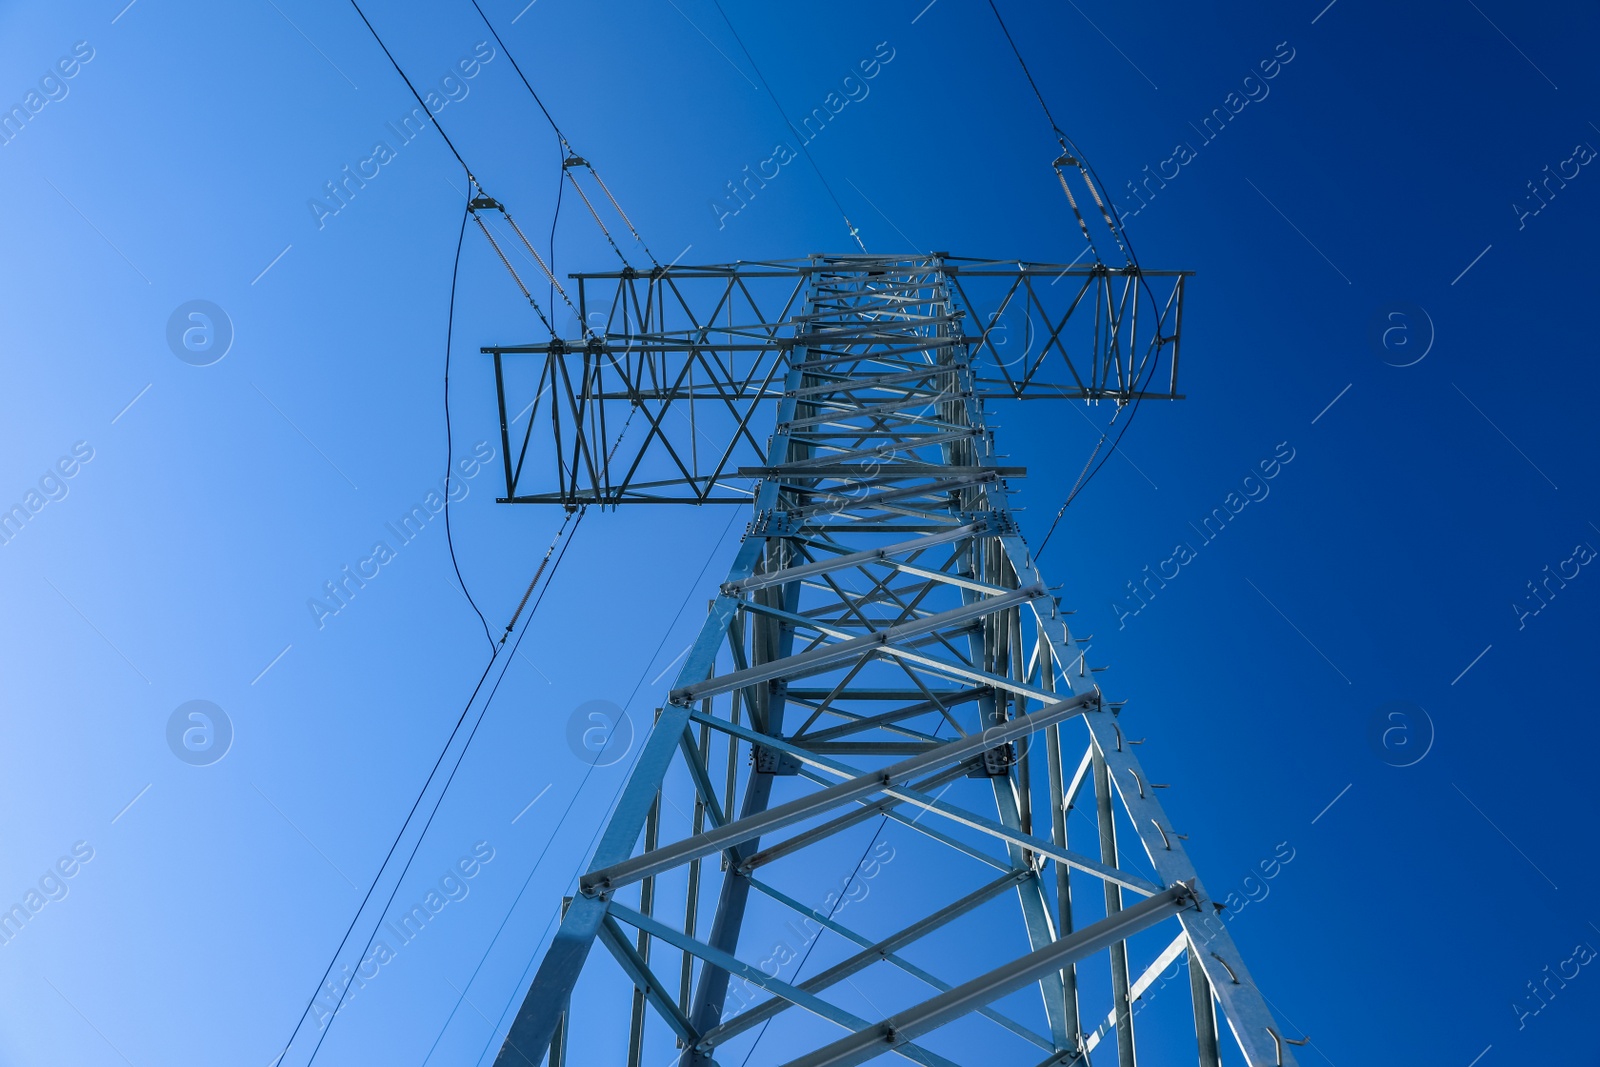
(854, 232)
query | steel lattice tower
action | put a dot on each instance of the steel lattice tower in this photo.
(884, 663)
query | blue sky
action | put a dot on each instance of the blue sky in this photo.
(1391, 165)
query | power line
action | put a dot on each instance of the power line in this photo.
(570, 159)
(854, 233)
(413, 89)
(563, 149)
(449, 438)
(548, 117)
(496, 649)
(370, 889)
(1083, 481)
(422, 835)
(1113, 218)
(611, 806)
(1062, 137)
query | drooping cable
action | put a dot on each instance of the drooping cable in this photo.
(449, 437)
(477, 202)
(431, 775)
(478, 686)
(1071, 156)
(1062, 137)
(1113, 219)
(555, 216)
(855, 233)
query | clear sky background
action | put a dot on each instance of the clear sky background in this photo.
(1384, 169)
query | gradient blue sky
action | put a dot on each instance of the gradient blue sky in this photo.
(1384, 166)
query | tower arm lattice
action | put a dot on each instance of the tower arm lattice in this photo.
(702, 355)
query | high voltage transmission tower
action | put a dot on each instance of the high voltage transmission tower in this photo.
(885, 698)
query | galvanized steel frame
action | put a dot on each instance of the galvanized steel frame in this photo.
(884, 592)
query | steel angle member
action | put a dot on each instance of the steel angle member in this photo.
(821, 657)
(850, 559)
(918, 797)
(873, 952)
(734, 966)
(603, 881)
(935, 1012)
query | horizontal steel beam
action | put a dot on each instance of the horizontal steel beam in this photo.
(918, 797)
(887, 468)
(895, 776)
(851, 559)
(821, 658)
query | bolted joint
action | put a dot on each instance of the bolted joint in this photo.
(768, 760)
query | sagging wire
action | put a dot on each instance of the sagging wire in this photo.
(481, 201)
(449, 437)
(576, 519)
(476, 202)
(1071, 156)
(600, 825)
(324, 981)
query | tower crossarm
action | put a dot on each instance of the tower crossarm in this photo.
(699, 356)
